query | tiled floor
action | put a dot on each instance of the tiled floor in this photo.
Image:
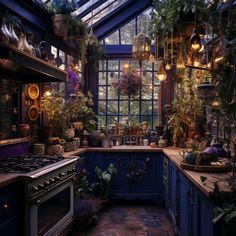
(131, 221)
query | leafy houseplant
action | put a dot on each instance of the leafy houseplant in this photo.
(167, 14)
(78, 33)
(62, 113)
(186, 108)
(102, 186)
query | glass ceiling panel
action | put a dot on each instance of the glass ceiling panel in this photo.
(84, 7)
(103, 10)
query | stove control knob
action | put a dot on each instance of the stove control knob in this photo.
(57, 178)
(51, 180)
(62, 174)
(40, 186)
(34, 188)
(46, 183)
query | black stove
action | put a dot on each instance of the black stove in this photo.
(27, 163)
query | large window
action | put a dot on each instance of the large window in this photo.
(114, 107)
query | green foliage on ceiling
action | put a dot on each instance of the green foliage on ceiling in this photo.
(168, 13)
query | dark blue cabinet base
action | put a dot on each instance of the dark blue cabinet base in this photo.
(139, 175)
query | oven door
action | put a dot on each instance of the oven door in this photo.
(51, 213)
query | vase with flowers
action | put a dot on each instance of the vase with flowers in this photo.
(130, 84)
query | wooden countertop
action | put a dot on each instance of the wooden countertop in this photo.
(208, 186)
(171, 152)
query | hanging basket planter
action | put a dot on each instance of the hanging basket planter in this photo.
(60, 24)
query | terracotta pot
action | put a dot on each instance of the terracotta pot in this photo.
(55, 149)
(60, 24)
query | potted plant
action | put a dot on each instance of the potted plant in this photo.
(102, 185)
(60, 11)
(77, 33)
(187, 108)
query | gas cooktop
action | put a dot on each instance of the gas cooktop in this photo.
(27, 163)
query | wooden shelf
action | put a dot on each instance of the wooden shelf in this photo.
(27, 68)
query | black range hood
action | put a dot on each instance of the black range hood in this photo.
(18, 65)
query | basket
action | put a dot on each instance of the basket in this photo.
(205, 168)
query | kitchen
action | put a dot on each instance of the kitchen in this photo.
(112, 90)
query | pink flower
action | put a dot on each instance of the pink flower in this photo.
(130, 84)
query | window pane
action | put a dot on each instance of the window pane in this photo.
(134, 107)
(112, 120)
(128, 32)
(102, 78)
(102, 108)
(112, 93)
(102, 92)
(156, 92)
(101, 121)
(112, 107)
(146, 65)
(124, 108)
(146, 108)
(155, 108)
(102, 65)
(147, 77)
(143, 21)
(147, 92)
(112, 39)
(112, 78)
(113, 65)
(148, 119)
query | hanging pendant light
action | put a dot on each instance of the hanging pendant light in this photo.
(161, 73)
(195, 39)
(141, 47)
(152, 58)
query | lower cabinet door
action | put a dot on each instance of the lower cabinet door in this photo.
(173, 195)
(202, 215)
(184, 206)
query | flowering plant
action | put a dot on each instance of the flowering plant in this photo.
(130, 84)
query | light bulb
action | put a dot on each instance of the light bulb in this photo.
(168, 66)
(161, 74)
(151, 58)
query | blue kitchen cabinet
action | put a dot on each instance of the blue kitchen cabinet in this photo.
(190, 211)
(173, 195)
(11, 210)
(92, 160)
(185, 206)
(202, 215)
(139, 174)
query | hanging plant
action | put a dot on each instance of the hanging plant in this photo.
(130, 84)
